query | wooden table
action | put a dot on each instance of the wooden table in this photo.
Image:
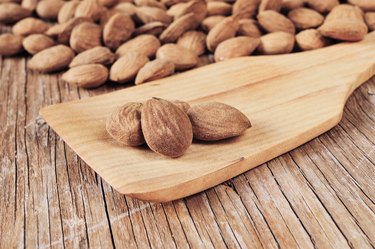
(320, 195)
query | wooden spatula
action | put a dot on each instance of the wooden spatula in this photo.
(289, 99)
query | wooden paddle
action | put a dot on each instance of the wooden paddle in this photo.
(290, 99)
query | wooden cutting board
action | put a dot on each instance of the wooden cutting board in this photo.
(290, 99)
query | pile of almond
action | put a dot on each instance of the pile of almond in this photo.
(122, 41)
(168, 127)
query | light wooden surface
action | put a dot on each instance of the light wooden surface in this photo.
(320, 195)
(289, 99)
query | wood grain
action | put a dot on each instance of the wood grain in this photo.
(290, 99)
(51, 199)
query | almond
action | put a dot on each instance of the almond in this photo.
(29, 4)
(144, 44)
(209, 22)
(236, 47)
(67, 11)
(270, 5)
(292, 4)
(166, 128)
(124, 124)
(182, 105)
(304, 18)
(219, 8)
(310, 39)
(194, 41)
(10, 44)
(117, 30)
(35, 43)
(55, 30)
(108, 3)
(205, 60)
(366, 5)
(126, 8)
(245, 8)
(178, 27)
(150, 3)
(85, 36)
(249, 27)
(153, 14)
(87, 76)
(216, 121)
(65, 29)
(12, 12)
(273, 21)
(345, 22)
(97, 55)
(224, 30)
(182, 57)
(322, 6)
(30, 25)
(152, 28)
(49, 9)
(126, 67)
(196, 7)
(276, 43)
(51, 59)
(90, 9)
(154, 70)
(172, 2)
(370, 20)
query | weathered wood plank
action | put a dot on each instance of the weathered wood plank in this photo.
(319, 195)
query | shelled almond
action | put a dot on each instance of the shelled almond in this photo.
(143, 40)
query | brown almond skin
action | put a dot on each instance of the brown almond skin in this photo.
(117, 30)
(218, 8)
(345, 22)
(311, 39)
(37, 42)
(51, 59)
(245, 8)
(12, 12)
(124, 124)
(197, 7)
(152, 28)
(366, 5)
(322, 6)
(87, 76)
(64, 31)
(216, 121)
(178, 27)
(153, 70)
(49, 9)
(249, 27)
(67, 11)
(270, 5)
(236, 47)
(153, 14)
(276, 43)
(10, 44)
(304, 18)
(97, 55)
(182, 105)
(166, 128)
(209, 22)
(370, 20)
(224, 30)
(89, 8)
(30, 25)
(29, 4)
(85, 36)
(273, 21)
(144, 44)
(127, 66)
(194, 41)
(150, 3)
(182, 58)
(292, 4)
